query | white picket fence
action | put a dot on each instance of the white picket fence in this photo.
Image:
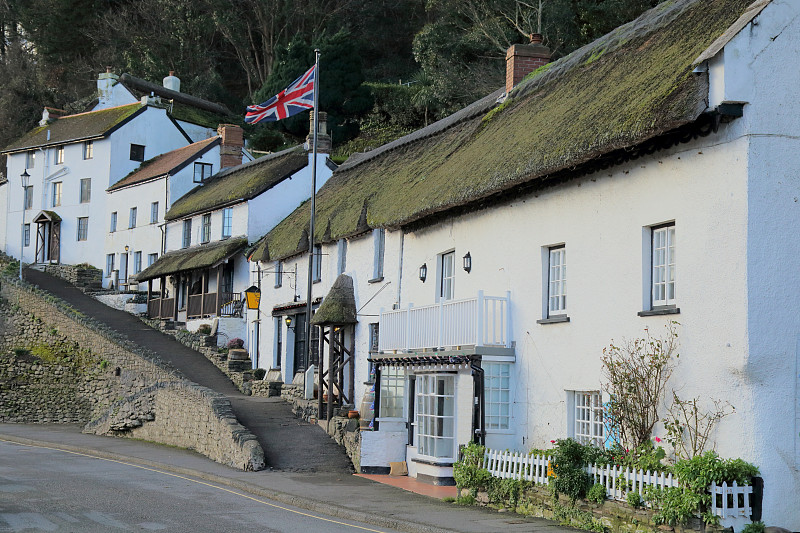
(731, 503)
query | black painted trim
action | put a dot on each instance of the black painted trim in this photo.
(431, 463)
(558, 319)
(660, 311)
(376, 280)
(376, 470)
(438, 481)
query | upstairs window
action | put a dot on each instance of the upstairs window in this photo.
(227, 222)
(316, 267)
(447, 275)
(86, 190)
(132, 218)
(88, 150)
(28, 197)
(663, 266)
(83, 228)
(187, 233)
(113, 226)
(56, 194)
(205, 233)
(60, 155)
(278, 274)
(202, 171)
(137, 152)
(341, 248)
(378, 244)
(557, 281)
(154, 213)
(137, 262)
(30, 159)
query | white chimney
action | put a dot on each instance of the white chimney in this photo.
(105, 83)
(172, 82)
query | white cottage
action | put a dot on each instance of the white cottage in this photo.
(659, 163)
(204, 269)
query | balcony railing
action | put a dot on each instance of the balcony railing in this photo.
(479, 321)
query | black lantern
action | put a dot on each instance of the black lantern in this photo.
(423, 272)
(468, 263)
(288, 321)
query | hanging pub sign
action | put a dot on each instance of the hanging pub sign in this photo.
(253, 295)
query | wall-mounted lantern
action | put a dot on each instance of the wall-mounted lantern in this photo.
(288, 321)
(253, 297)
(468, 263)
(423, 272)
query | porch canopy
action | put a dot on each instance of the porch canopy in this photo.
(194, 258)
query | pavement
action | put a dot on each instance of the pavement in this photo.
(338, 495)
(289, 443)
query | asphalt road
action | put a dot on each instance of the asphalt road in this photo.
(44, 489)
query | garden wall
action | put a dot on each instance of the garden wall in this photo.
(77, 370)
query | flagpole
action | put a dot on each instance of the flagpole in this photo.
(313, 210)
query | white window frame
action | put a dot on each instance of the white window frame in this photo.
(585, 413)
(392, 404)
(109, 265)
(132, 217)
(557, 280)
(85, 194)
(227, 222)
(446, 276)
(278, 274)
(379, 248)
(137, 262)
(57, 191)
(662, 266)
(435, 427)
(82, 221)
(88, 150)
(187, 233)
(60, 155)
(205, 228)
(497, 396)
(113, 225)
(154, 212)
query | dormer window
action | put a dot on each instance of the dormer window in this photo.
(137, 152)
(202, 171)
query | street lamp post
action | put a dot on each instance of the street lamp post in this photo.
(25, 179)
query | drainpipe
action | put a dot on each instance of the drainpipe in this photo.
(400, 274)
(478, 411)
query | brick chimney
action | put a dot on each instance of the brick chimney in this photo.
(522, 59)
(323, 139)
(230, 151)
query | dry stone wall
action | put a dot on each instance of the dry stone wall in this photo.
(60, 366)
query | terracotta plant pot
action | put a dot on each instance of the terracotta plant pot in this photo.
(352, 414)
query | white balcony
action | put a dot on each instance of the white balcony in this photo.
(479, 321)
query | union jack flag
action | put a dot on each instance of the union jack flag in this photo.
(296, 98)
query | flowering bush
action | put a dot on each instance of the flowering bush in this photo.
(235, 344)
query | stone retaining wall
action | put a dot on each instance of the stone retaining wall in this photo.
(106, 380)
(85, 276)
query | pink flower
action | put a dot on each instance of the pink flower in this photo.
(552, 442)
(658, 440)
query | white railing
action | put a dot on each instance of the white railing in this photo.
(479, 321)
(731, 503)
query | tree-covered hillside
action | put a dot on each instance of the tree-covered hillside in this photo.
(388, 66)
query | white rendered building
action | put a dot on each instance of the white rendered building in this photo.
(674, 190)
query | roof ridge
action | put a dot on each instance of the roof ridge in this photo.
(100, 110)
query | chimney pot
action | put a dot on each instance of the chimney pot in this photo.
(536, 38)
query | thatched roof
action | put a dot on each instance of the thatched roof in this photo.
(240, 183)
(630, 86)
(339, 306)
(76, 128)
(166, 164)
(196, 257)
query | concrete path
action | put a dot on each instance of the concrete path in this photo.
(343, 496)
(289, 443)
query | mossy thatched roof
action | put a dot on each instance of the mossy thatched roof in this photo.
(196, 257)
(76, 128)
(627, 87)
(240, 183)
(168, 163)
(339, 306)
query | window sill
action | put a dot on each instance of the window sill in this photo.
(499, 431)
(558, 319)
(278, 286)
(376, 280)
(316, 281)
(658, 311)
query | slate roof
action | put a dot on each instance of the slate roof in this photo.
(240, 183)
(166, 164)
(76, 128)
(193, 258)
(631, 85)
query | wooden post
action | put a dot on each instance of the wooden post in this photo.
(352, 375)
(219, 287)
(331, 372)
(321, 370)
(175, 289)
(202, 293)
(340, 362)
(149, 288)
(161, 300)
